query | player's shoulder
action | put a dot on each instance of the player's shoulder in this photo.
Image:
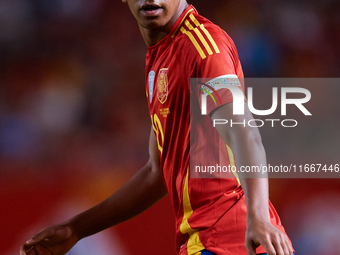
(202, 38)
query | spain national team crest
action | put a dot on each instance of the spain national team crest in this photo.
(162, 85)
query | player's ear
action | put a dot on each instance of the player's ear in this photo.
(124, 1)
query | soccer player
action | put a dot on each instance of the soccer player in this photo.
(213, 215)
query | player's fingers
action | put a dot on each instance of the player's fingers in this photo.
(32, 252)
(23, 249)
(42, 250)
(284, 247)
(27, 250)
(288, 248)
(251, 249)
(269, 247)
(46, 233)
(279, 244)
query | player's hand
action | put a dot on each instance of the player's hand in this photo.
(53, 240)
(265, 234)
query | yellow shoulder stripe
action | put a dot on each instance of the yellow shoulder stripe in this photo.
(180, 24)
(200, 36)
(198, 29)
(194, 42)
(206, 32)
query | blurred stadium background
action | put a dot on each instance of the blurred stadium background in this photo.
(74, 122)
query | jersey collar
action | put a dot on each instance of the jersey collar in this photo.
(175, 28)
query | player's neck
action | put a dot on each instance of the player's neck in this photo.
(154, 36)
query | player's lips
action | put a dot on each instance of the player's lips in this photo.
(151, 9)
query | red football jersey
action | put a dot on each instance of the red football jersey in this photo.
(210, 213)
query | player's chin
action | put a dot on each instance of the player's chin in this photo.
(151, 24)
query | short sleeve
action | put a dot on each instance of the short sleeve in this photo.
(219, 74)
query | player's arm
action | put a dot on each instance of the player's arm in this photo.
(248, 150)
(143, 190)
